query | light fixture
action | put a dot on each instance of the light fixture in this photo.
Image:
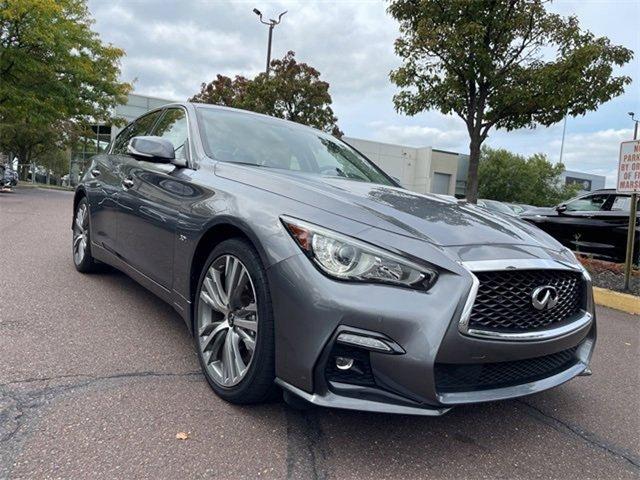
(362, 341)
(344, 363)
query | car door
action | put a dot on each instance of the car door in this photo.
(616, 225)
(150, 202)
(582, 224)
(103, 187)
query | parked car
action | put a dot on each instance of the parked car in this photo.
(519, 208)
(296, 262)
(596, 223)
(495, 206)
(8, 177)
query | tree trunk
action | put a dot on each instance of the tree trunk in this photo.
(472, 175)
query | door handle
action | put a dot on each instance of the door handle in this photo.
(95, 172)
(127, 183)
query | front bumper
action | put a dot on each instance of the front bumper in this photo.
(311, 310)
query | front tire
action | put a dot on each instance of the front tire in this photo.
(81, 245)
(233, 324)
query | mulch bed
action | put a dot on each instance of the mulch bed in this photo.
(610, 275)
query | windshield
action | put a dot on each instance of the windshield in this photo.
(497, 206)
(238, 137)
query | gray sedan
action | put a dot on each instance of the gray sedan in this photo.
(297, 263)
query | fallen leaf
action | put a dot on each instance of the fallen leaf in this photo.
(182, 435)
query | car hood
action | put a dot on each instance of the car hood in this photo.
(438, 220)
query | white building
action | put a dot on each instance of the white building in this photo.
(588, 182)
(422, 170)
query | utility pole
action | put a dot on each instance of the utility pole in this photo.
(631, 231)
(272, 23)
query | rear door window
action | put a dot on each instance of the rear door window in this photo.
(621, 204)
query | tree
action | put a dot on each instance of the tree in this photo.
(292, 91)
(57, 75)
(223, 91)
(508, 177)
(484, 61)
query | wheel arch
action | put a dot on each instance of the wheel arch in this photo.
(79, 195)
(223, 229)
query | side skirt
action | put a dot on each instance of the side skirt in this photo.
(173, 298)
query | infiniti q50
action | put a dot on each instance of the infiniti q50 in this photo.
(296, 263)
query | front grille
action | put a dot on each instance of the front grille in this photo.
(483, 376)
(504, 303)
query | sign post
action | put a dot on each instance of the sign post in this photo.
(629, 182)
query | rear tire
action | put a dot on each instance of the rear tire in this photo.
(233, 325)
(81, 243)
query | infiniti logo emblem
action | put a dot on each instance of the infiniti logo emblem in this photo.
(544, 298)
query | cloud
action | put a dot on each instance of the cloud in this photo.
(174, 46)
(595, 152)
(351, 43)
(450, 134)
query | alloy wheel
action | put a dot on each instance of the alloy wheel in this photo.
(227, 320)
(80, 234)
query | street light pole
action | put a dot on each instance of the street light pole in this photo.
(271, 23)
(631, 231)
(564, 131)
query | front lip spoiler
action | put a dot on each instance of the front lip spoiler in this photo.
(332, 400)
(460, 398)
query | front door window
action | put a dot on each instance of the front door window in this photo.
(590, 203)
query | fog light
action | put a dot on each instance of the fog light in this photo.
(344, 363)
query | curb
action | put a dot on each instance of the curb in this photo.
(44, 187)
(619, 301)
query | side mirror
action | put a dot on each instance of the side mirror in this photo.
(151, 149)
(561, 208)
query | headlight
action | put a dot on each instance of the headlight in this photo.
(346, 258)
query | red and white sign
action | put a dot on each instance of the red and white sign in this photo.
(629, 167)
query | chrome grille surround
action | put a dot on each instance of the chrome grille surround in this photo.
(570, 278)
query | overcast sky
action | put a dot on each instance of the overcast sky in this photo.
(174, 46)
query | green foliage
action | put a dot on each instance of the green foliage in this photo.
(500, 63)
(292, 91)
(508, 177)
(57, 75)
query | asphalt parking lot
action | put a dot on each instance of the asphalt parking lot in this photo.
(97, 377)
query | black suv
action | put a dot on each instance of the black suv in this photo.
(595, 223)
